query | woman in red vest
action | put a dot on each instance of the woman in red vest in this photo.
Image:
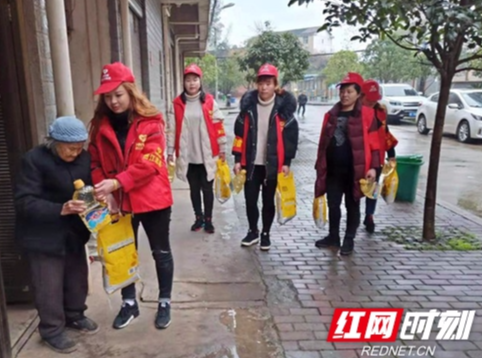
(371, 96)
(266, 141)
(196, 136)
(348, 151)
(129, 172)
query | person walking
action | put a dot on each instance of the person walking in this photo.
(266, 140)
(52, 233)
(127, 145)
(371, 97)
(302, 101)
(348, 151)
(196, 136)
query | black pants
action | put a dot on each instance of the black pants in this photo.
(337, 186)
(156, 225)
(60, 285)
(198, 181)
(302, 106)
(251, 194)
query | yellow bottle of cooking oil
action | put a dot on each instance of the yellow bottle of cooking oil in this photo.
(171, 169)
(238, 181)
(97, 215)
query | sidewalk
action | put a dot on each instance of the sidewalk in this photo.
(218, 304)
(379, 274)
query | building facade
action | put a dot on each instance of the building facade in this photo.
(52, 55)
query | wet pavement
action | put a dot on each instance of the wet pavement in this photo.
(460, 171)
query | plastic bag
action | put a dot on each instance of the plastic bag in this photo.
(222, 182)
(238, 181)
(285, 198)
(320, 211)
(117, 252)
(369, 188)
(390, 187)
(171, 170)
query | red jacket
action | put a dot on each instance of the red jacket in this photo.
(215, 129)
(387, 140)
(363, 136)
(141, 169)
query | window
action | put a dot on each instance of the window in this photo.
(399, 91)
(434, 98)
(473, 99)
(454, 98)
(305, 40)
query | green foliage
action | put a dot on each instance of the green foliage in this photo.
(446, 239)
(340, 64)
(385, 61)
(283, 50)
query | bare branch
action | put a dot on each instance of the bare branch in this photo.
(470, 59)
(470, 68)
(398, 43)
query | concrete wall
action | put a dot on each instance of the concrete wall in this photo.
(37, 66)
(90, 49)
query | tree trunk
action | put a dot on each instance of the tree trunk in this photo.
(421, 84)
(431, 191)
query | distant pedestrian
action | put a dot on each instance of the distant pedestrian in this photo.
(348, 151)
(266, 140)
(371, 95)
(52, 233)
(302, 101)
(127, 146)
(197, 138)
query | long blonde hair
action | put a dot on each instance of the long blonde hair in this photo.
(139, 103)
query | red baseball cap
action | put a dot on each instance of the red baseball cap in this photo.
(193, 69)
(371, 90)
(113, 75)
(352, 78)
(268, 70)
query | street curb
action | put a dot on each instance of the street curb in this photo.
(454, 208)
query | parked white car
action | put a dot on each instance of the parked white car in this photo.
(463, 117)
(401, 100)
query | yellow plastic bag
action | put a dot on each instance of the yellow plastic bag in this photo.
(390, 187)
(238, 181)
(222, 182)
(320, 211)
(171, 170)
(285, 198)
(369, 188)
(117, 251)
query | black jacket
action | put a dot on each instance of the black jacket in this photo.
(44, 184)
(285, 107)
(302, 99)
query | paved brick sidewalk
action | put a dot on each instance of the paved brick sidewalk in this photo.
(305, 284)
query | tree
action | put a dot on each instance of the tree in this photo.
(438, 29)
(283, 50)
(230, 75)
(385, 61)
(340, 64)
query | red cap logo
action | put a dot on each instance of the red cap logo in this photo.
(113, 75)
(193, 69)
(371, 90)
(352, 78)
(268, 70)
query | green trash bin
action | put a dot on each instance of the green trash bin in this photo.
(408, 169)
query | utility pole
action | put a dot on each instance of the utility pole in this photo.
(5, 344)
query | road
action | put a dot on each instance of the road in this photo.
(460, 170)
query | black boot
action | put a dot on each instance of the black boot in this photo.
(329, 241)
(348, 246)
(61, 343)
(208, 226)
(198, 224)
(369, 224)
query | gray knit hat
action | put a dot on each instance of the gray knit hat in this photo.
(68, 129)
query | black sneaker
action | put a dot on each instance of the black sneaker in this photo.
(208, 226)
(61, 343)
(265, 242)
(85, 325)
(347, 247)
(198, 224)
(163, 317)
(369, 224)
(126, 314)
(328, 241)
(251, 239)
